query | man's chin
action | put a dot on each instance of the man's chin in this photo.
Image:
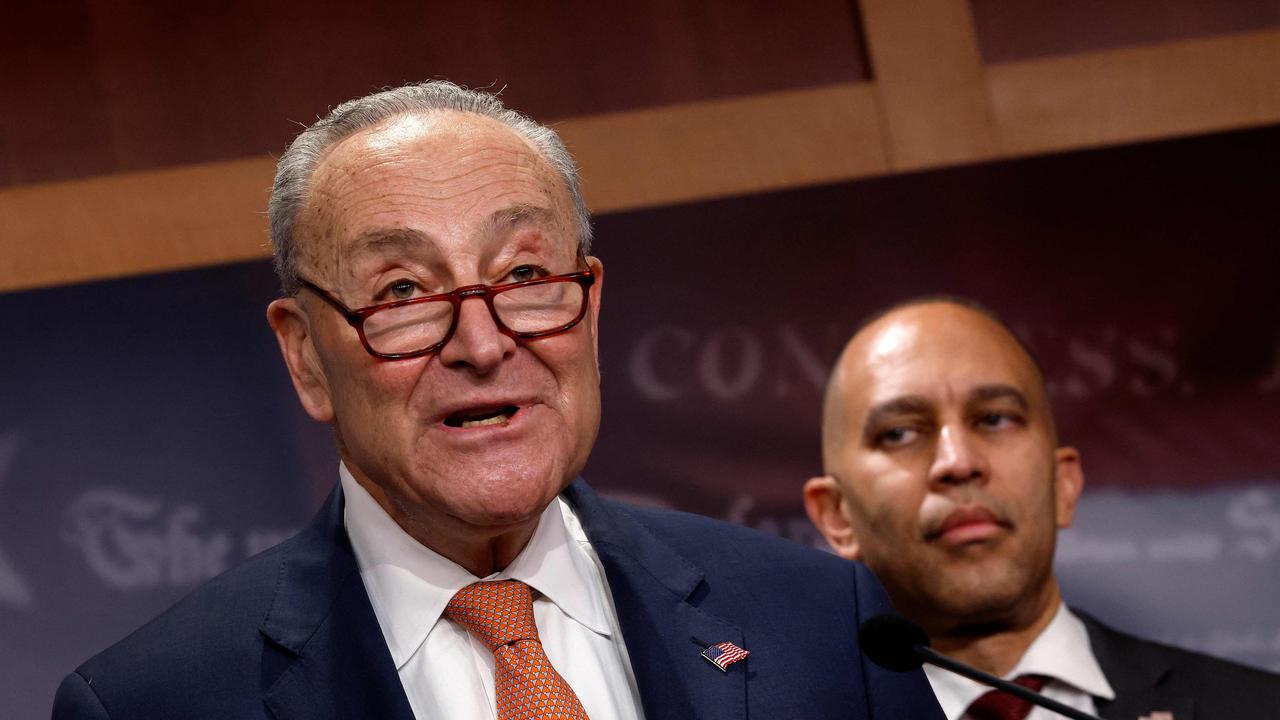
(501, 519)
(981, 607)
(500, 503)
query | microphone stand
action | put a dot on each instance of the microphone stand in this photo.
(930, 655)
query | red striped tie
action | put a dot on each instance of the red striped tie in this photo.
(526, 687)
(996, 705)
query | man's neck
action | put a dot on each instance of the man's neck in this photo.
(481, 555)
(481, 551)
(996, 647)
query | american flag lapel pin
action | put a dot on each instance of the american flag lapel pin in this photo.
(724, 654)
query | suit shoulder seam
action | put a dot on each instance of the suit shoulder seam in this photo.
(88, 683)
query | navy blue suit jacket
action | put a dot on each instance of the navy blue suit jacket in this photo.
(1149, 677)
(291, 634)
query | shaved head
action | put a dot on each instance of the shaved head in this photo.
(834, 416)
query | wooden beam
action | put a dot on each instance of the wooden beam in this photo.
(201, 215)
(727, 147)
(210, 214)
(929, 79)
(1138, 93)
(79, 230)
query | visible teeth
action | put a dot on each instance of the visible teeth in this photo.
(479, 418)
(495, 420)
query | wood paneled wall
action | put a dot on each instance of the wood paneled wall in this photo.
(140, 140)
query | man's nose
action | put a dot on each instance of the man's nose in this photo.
(957, 459)
(477, 342)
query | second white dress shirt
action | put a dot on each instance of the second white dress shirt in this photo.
(1061, 652)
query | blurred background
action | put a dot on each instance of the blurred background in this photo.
(1103, 174)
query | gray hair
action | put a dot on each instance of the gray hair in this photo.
(296, 166)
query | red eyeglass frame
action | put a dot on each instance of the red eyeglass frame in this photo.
(356, 318)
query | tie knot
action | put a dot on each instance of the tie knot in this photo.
(997, 705)
(496, 613)
(1032, 682)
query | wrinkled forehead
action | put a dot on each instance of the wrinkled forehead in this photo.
(436, 174)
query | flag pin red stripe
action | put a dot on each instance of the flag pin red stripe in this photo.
(724, 654)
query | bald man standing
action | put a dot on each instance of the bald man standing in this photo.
(945, 476)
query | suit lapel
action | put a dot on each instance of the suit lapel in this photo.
(327, 657)
(1134, 705)
(1136, 676)
(654, 591)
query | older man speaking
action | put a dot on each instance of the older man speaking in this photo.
(441, 314)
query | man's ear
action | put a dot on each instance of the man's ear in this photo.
(293, 332)
(593, 308)
(828, 512)
(1068, 483)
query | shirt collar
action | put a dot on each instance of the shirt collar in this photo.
(409, 584)
(1061, 651)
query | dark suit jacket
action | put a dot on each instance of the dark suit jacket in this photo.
(291, 633)
(1148, 677)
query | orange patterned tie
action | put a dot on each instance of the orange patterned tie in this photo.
(526, 687)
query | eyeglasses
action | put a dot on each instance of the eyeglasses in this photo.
(523, 310)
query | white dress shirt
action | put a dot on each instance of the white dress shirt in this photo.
(446, 673)
(1061, 652)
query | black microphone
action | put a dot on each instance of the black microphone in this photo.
(895, 643)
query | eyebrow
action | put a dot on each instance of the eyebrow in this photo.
(881, 413)
(405, 241)
(386, 241)
(987, 393)
(519, 215)
(905, 405)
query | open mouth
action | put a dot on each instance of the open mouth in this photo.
(480, 417)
